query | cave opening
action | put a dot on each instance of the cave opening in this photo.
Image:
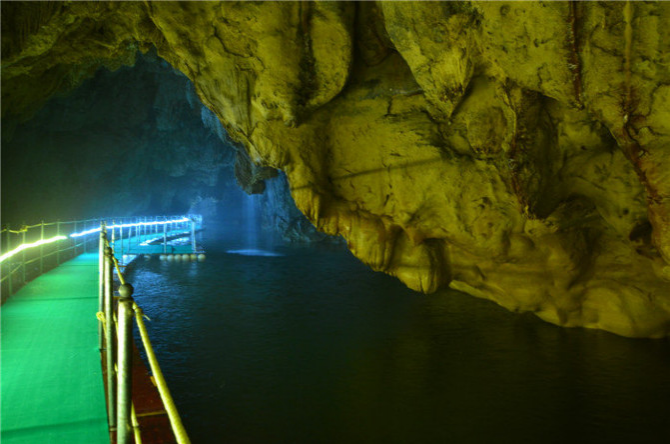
(137, 141)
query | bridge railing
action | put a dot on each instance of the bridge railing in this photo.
(30, 250)
(115, 316)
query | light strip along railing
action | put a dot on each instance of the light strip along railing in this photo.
(33, 249)
(121, 412)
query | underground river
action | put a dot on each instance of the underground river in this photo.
(308, 345)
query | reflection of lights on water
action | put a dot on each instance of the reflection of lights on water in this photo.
(33, 244)
(254, 252)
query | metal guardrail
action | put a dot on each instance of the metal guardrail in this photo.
(48, 244)
(119, 354)
(21, 260)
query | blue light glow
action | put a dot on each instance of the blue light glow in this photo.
(139, 224)
(254, 252)
(86, 232)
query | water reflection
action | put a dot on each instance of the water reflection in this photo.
(313, 347)
(254, 252)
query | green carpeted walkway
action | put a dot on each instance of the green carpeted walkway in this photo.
(51, 380)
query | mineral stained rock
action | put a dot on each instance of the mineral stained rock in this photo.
(516, 151)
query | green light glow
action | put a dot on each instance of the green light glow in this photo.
(31, 245)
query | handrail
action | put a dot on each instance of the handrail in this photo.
(166, 397)
(118, 268)
(22, 247)
(135, 424)
(121, 410)
(19, 245)
(15, 260)
(16, 231)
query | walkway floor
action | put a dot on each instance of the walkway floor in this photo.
(51, 379)
(51, 382)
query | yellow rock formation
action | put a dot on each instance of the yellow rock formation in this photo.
(516, 151)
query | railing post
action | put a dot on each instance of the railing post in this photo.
(23, 254)
(193, 235)
(10, 276)
(99, 222)
(75, 239)
(42, 249)
(57, 247)
(101, 283)
(121, 235)
(109, 338)
(165, 238)
(125, 339)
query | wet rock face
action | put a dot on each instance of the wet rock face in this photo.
(514, 151)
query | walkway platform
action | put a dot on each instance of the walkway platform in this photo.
(153, 244)
(51, 379)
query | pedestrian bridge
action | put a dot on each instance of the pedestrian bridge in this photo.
(70, 371)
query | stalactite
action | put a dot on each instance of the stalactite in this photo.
(575, 63)
(628, 38)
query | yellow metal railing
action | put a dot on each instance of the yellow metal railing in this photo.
(121, 410)
(166, 397)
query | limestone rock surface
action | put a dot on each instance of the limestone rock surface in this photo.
(516, 151)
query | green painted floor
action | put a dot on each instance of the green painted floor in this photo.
(50, 376)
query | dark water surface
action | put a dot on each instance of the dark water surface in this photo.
(313, 347)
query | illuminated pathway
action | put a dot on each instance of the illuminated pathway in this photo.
(52, 387)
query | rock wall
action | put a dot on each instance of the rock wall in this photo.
(125, 142)
(517, 151)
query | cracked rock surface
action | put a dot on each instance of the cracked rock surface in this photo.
(516, 151)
